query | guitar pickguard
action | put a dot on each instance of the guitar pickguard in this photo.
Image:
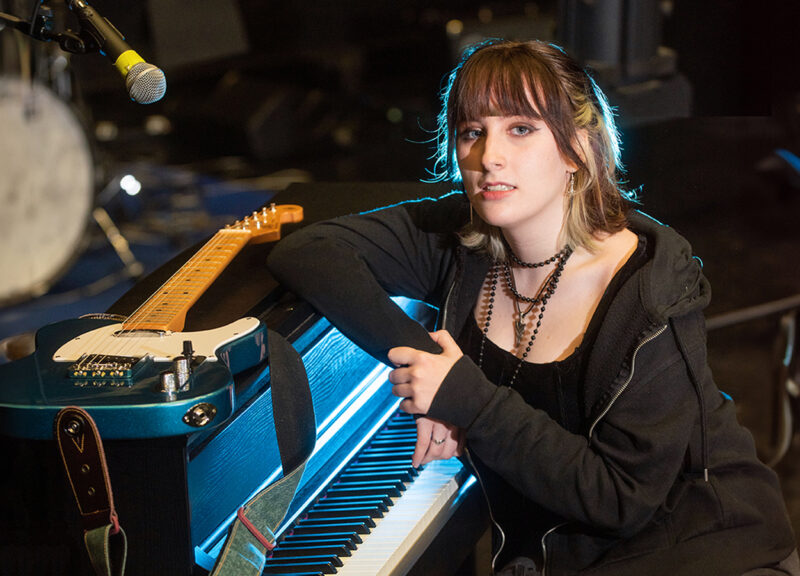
(160, 346)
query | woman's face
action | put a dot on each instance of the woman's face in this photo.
(513, 172)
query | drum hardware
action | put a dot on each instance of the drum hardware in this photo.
(47, 188)
(786, 392)
(118, 242)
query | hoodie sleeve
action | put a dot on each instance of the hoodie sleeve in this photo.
(349, 267)
(614, 480)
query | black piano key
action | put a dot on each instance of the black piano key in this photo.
(398, 451)
(299, 573)
(401, 427)
(284, 549)
(379, 459)
(349, 540)
(397, 433)
(398, 442)
(304, 527)
(339, 511)
(381, 456)
(384, 466)
(401, 442)
(381, 502)
(365, 519)
(382, 484)
(396, 465)
(360, 490)
(403, 439)
(302, 567)
(321, 559)
(360, 476)
(402, 450)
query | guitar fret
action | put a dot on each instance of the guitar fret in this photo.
(166, 310)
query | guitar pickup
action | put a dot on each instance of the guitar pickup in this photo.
(104, 369)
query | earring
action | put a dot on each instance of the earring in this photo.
(470, 213)
(571, 191)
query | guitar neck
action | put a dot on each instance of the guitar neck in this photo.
(166, 309)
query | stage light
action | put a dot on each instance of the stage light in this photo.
(130, 185)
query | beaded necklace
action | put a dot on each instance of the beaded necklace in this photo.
(547, 289)
(519, 262)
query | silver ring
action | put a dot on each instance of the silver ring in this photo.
(438, 442)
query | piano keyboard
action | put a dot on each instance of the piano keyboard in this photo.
(377, 516)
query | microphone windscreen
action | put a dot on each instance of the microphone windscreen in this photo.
(146, 83)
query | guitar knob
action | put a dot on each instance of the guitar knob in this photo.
(168, 383)
(182, 372)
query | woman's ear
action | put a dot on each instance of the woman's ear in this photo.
(580, 145)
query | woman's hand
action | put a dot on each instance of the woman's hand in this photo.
(436, 440)
(419, 374)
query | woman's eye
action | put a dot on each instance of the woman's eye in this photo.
(521, 130)
(471, 133)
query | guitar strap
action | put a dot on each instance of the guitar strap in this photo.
(252, 534)
(84, 461)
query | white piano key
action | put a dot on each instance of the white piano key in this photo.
(400, 537)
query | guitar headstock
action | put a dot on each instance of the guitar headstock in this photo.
(265, 224)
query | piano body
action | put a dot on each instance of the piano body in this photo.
(360, 508)
(358, 484)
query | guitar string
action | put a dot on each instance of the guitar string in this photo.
(197, 260)
(123, 346)
(225, 241)
(267, 219)
(174, 286)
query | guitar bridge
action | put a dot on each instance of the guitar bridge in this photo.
(107, 369)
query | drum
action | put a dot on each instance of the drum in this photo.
(46, 188)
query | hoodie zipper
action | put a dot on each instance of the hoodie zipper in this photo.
(544, 546)
(611, 402)
(489, 506)
(622, 388)
(443, 323)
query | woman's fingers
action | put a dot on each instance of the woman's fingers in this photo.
(436, 440)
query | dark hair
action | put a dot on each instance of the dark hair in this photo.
(539, 80)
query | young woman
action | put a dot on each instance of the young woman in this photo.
(570, 365)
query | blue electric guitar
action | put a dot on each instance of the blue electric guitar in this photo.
(144, 377)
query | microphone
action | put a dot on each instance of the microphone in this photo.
(145, 82)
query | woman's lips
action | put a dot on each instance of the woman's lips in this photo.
(496, 191)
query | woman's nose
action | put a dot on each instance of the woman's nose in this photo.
(493, 156)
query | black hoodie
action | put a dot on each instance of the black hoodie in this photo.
(662, 480)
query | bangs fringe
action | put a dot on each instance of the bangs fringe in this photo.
(494, 85)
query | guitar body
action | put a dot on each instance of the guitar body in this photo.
(145, 377)
(33, 389)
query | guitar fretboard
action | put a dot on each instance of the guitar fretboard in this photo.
(166, 309)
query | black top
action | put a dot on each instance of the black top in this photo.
(552, 387)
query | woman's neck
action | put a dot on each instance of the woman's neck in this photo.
(533, 248)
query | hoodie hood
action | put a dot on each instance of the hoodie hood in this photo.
(672, 282)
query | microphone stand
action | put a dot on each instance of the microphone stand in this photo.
(41, 28)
